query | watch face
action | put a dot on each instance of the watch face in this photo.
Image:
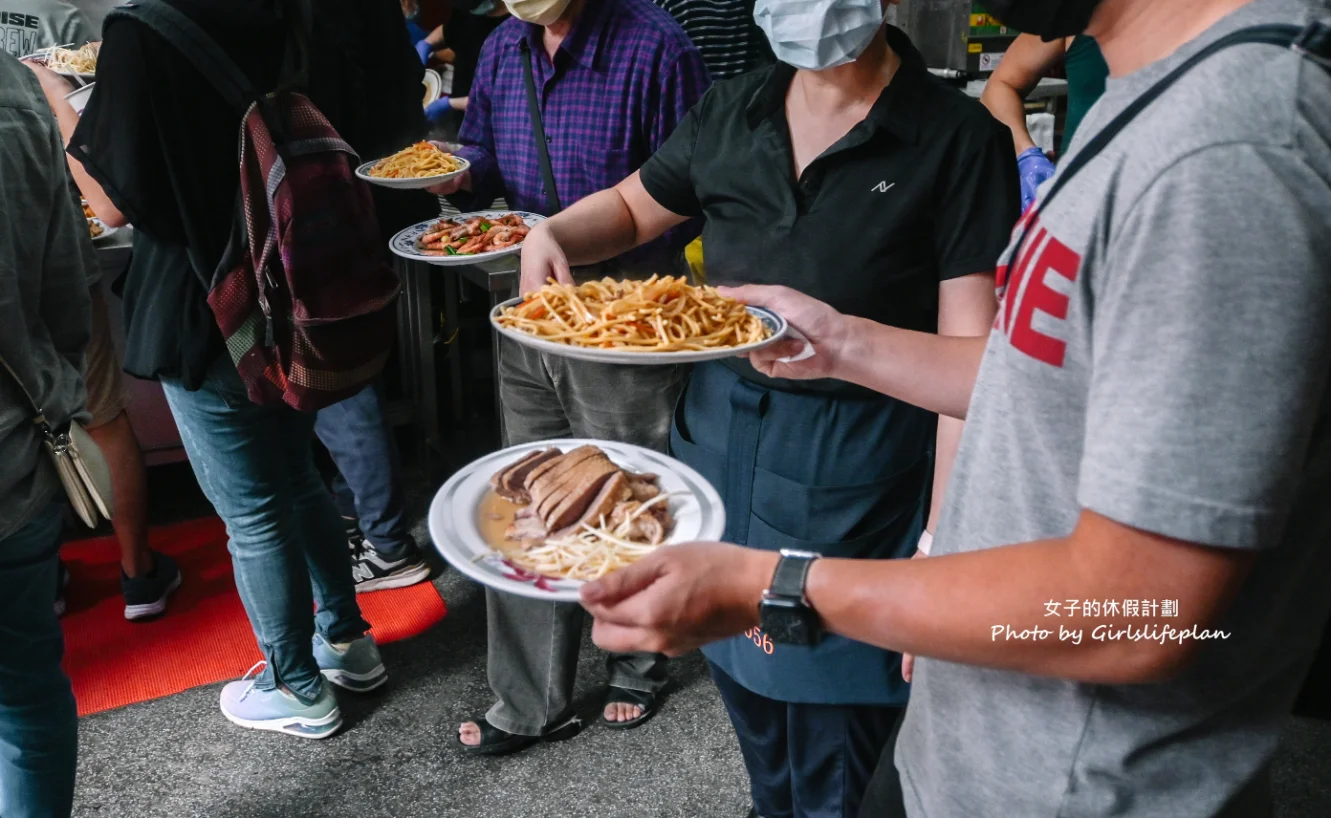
(789, 623)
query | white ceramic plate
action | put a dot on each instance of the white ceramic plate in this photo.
(79, 99)
(107, 230)
(434, 86)
(774, 322)
(407, 242)
(414, 183)
(697, 512)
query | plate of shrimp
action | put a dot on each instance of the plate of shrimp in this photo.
(469, 238)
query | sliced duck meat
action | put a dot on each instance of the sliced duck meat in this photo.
(615, 491)
(527, 528)
(650, 526)
(500, 480)
(643, 487)
(545, 477)
(593, 475)
(509, 483)
(588, 468)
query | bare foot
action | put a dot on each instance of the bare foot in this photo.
(470, 733)
(622, 711)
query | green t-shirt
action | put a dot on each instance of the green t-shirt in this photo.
(1087, 70)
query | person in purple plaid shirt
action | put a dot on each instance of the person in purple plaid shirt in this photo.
(614, 77)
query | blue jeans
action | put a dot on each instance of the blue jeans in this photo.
(38, 722)
(368, 485)
(256, 466)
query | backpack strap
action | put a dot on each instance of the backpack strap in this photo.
(1312, 42)
(189, 38)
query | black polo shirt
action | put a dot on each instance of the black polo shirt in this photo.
(922, 190)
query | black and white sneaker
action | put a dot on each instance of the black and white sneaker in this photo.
(373, 571)
(146, 596)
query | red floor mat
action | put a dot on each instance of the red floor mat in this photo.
(204, 637)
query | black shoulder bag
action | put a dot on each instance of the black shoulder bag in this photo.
(538, 127)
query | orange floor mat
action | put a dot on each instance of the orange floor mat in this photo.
(204, 637)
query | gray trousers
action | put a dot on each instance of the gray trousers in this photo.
(533, 645)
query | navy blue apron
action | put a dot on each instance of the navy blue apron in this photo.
(841, 476)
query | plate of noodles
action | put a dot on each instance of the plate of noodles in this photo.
(468, 238)
(541, 519)
(414, 167)
(70, 62)
(656, 321)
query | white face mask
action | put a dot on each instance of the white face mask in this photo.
(537, 12)
(818, 34)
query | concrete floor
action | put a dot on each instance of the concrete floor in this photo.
(398, 757)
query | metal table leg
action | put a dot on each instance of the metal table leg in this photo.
(452, 323)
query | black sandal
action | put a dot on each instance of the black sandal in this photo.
(496, 742)
(638, 698)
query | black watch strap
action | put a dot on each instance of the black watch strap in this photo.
(791, 572)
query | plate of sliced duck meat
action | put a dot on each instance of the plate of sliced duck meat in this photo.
(469, 238)
(540, 519)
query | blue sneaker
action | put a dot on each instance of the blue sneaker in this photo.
(279, 711)
(355, 666)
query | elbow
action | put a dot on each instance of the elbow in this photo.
(114, 218)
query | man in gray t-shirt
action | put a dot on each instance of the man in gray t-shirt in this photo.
(28, 25)
(1147, 447)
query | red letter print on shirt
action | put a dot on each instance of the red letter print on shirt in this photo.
(1024, 290)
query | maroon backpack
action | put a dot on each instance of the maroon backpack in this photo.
(304, 293)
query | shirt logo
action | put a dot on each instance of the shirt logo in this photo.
(1024, 290)
(883, 186)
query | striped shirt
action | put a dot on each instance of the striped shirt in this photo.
(724, 32)
(623, 77)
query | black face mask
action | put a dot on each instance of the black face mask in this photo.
(1047, 19)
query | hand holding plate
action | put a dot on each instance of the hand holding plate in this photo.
(818, 333)
(679, 598)
(542, 259)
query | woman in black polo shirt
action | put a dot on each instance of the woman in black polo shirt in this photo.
(861, 180)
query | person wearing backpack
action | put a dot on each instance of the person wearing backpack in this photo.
(160, 138)
(1128, 580)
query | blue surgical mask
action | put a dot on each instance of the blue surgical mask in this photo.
(484, 8)
(818, 34)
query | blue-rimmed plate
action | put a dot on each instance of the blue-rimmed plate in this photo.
(407, 243)
(455, 515)
(410, 182)
(774, 322)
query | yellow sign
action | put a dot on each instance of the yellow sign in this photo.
(975, 48)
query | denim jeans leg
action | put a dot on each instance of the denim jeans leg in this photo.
(357, 435)
(322, 537)
(38, 721)
(240, 453)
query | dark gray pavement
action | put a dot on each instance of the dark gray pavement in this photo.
(398, 757)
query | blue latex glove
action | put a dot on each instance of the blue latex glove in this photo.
(424, 50)
(439, 109)
(1033, 168)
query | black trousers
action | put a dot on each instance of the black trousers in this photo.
(806, 760)
(882, 798)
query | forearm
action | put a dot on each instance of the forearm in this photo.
(948, 607)
(945, 451)
(1007, 105)
(597, 228)
(934, 372)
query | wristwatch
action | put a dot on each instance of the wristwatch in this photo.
(784, 612)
